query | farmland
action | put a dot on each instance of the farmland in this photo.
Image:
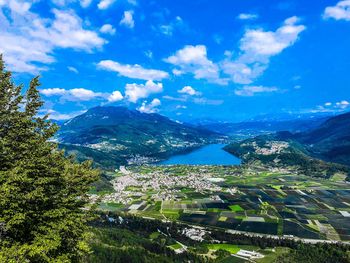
(250, 199)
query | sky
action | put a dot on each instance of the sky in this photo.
(224, 60)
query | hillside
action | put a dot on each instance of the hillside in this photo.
(116, 135)
(331, 140)
(315, 152)
(273, 152)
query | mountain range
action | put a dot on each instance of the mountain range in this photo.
(117, 135)
(256, 127)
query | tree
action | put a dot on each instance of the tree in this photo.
(43, 194)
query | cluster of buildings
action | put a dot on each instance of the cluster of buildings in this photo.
(161, 185)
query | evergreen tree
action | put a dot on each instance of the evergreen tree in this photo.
(43, 194)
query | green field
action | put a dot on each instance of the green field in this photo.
(233, 249)
(236, 208)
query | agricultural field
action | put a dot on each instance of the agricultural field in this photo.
(250, 199)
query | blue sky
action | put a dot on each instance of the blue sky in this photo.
(227, 60)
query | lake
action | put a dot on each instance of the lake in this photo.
(212, 154)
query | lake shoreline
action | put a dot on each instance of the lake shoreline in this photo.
(212, 154)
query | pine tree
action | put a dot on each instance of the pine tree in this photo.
(43, 194)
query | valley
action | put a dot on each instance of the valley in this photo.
(221, 193)
(250, 199)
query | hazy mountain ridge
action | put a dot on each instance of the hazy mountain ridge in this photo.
(265, 126)
(117, 135)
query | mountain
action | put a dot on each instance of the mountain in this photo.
(322, 151)
(251, 128)
(116, 135)
(330, 141)
(287, 154)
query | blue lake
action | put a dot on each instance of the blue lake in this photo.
(212, 154)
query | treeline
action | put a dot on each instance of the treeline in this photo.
(111, 244)
(337, 252)
(320, 253)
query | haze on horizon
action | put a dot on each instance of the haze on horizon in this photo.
(231, 60)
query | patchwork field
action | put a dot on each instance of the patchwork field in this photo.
(254, 199)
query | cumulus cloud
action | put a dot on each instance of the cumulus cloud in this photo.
(189, 91)
(107, 29)
(257, 46)
(78, 94)
(193, 59)
(247, 16)
(150, 107)
(134, 92)
(132, 71)
(28, 41)
(127, 19)
(53, 92)
(115, 96)
(105, 4)
(248, 91)
(341, 11)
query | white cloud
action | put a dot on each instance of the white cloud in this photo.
(133, 2)
(167, 97)
(19, 7)
(151, 107)
(181, 107)
(115, 96)
(341, 11)
(247, 16)
(128, 19)
(257, 47)
(53, 92)
(84, 94)
(205, 101)
(342, 104)
(28, 41)
(54, 115)
(78, 94)
(339, 106)
(189, 91)
(85, 3)
(73, 69)
(107, 29)
(193, 59)
(66, 31)
(248, 91)
(134, 92)
(168, 29)
(132, 71)
(104, 4)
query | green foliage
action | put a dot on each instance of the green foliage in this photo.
(43, 193)
(321, 253)
(120, 245)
